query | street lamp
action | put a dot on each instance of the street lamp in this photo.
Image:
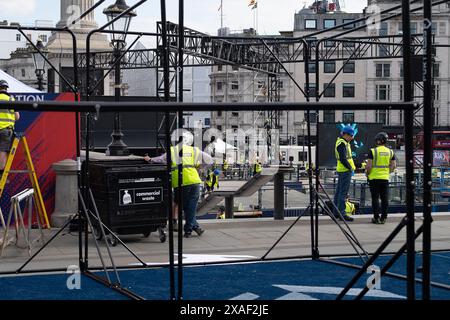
(117, 147)
(303, 127)
(39, 63)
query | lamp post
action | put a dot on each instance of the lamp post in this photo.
(39, 63)
(303, 126)
(117, 147)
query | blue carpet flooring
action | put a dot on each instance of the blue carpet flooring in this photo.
(291, 280)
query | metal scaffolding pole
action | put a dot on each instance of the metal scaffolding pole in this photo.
(409, 151)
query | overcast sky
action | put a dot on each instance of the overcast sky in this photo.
(203, 15)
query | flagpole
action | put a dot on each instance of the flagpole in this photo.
(221, 14)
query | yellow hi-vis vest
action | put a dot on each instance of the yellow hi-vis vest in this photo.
(340, 167)
(349, 208)
(380, 163)
(258, 168)
(189, 160)
(7, 116)
(210, 178)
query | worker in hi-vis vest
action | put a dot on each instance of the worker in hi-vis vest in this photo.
(191, 158)
(8, 118)
(350, 208)
(380, 163)
(345, 170)
(257, 167)
(212, 180)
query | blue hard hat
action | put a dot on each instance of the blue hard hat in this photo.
(216, 172)
(349, 130)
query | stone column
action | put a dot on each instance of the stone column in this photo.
(66, 192)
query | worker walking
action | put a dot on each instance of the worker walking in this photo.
(8, 117)
(345, 169)
(191, 158)
(212, 180)
(380, 163)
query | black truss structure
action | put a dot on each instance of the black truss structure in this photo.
(180, 47)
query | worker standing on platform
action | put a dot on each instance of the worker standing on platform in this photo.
(380, 163)
(7, 120)
(345, 169)
(191, 159)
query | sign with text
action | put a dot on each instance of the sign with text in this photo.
(140, 196)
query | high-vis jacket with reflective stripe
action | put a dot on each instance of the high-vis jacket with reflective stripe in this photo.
(340, 167)
(380, 163)
(7, 116)
(190, 159)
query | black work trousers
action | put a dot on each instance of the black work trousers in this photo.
(379, 189)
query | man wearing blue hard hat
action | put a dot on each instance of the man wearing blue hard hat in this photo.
(345, 169)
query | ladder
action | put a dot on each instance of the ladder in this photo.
(42, 213)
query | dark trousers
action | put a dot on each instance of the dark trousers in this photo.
(379, 189)
(343, 185)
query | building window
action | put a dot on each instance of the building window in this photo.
(383, 70)
(207, 121)
(312, 67)
(234, 85)
(219, 86)
(329, 44)
(23, 72)
(401, 70)
(330, 90)
(219, 113)
(235, 68)
(329, 116)
(43, 37)
(382, 116)
(383, 31)
(349, 67)
(348, 90)
(442, 28)
(400, 116)
(436, 70)
(312, 89)
(348, 45)
(235, 114)
(219, 128)
(350, 26)
(219, 67)
(383, 92)
(348, 117)
(310, 24)
(18, 37)
(413, 27)
(329, 67)
(312, 117)
(329, 23)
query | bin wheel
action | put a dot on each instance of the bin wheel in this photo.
(112, 240)
(97, 233)
(146, 234)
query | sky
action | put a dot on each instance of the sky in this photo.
(271, 16)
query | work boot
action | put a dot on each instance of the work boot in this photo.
(199, 231)
(383, 220)
(187, 234)
(375, 220)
